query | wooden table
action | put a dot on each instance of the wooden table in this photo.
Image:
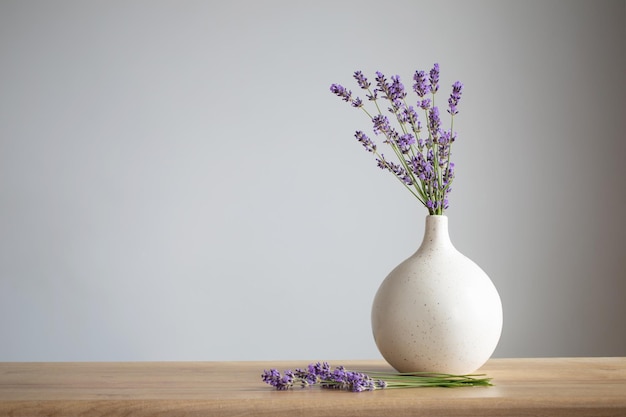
(523, 387)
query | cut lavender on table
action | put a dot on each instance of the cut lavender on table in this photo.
(341, 378)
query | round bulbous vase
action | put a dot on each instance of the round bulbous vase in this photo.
(437, 311)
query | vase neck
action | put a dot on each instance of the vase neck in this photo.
(436, 231)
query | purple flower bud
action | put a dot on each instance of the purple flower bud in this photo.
(271, 377)
(381, 124)
(381, 82)
(405, 141)
(424, 104)
(395, 169)
(420, 86)
(396, 106)
(286, 381)
(391, 136)
(320, 370)
(305, 377)
(367, 142)
(340, 91)
(410, 115)
(455, 96)
(396, 88)
(434, 79)
(445, 139)
(274, 378)
(422, 168)
(361, 80)
(392, 91)
(433, 121)
(448, 175)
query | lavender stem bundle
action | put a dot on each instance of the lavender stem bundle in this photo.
(424, 166)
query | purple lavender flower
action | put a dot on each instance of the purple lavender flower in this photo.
(396, 169)
(430, 156)
(447, 137)
(405, 141)
(381, 124)
(397, 106)
(274, 378)
(450, 172)
(434, 123)
(434, 79)
(386, 88)
(339, 378)
(338, 375)
(366, 141)
(381, 81)
(448, 176)
(443, 150)
(305, 377)
(345, 95)
(421, 167)
(287, 380)
(341, 92)
(358, 382)
(455, 96)
(424, 104)
(361, 80)
(420, 86)
(321, 370)
(402, 115)
(343, 379)
(271, 377)
(396, 89)
(391, 137)
(410, 115)
(357, 102)
(381, 162)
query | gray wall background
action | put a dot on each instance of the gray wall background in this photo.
(178, 183)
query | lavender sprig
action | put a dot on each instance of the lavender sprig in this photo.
(341, 378)
(434, 79)
(420, 86)
(455, 96)
(423, 164)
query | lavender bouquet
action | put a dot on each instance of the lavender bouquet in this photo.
(340, 378)
(423, 163)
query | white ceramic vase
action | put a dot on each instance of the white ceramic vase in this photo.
(437, 311)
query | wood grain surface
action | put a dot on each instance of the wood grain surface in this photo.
(523, 387)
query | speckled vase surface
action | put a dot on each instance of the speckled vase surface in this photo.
(437, 311)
